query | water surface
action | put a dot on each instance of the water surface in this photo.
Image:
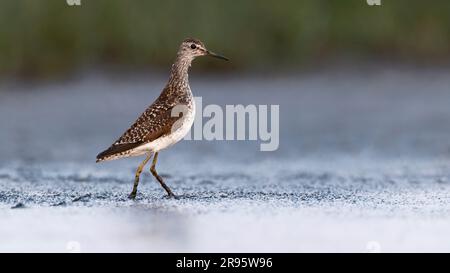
(363, 165)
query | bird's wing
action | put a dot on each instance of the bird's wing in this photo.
(156, 121)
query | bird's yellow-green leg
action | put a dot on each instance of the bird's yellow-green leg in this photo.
(138, 174)
(160, 180)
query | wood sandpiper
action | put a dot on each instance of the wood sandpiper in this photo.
(159, 127)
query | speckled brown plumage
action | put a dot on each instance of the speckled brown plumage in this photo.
(154, 130)
(157, 120)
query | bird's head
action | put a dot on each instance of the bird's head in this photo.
(192, 48)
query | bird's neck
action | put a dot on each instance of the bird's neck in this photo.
(179, 72)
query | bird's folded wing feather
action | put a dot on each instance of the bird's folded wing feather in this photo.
(155, 122)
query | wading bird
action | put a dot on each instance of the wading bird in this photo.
(160, 126)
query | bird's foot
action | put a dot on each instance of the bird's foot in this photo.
(172, 196)
(132, 196)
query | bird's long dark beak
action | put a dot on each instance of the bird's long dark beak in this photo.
(215, 55)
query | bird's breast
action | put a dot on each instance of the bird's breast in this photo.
(179, 130)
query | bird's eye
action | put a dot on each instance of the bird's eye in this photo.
(193, 46)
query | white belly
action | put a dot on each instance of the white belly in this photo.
(179, 132)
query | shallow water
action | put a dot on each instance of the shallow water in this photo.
(363, 165)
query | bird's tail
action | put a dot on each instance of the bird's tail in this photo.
(116, 152)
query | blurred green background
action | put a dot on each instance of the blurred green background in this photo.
(48, 38)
